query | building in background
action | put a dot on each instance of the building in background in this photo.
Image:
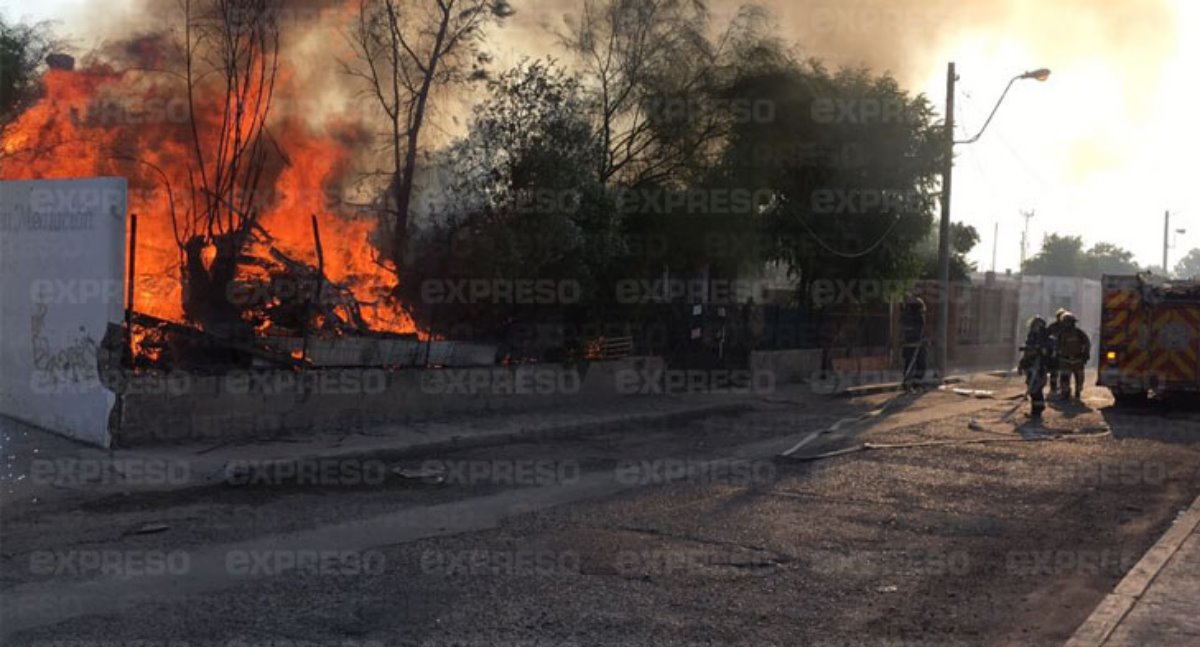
(1044, 295)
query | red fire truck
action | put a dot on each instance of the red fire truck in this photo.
(1149, 336)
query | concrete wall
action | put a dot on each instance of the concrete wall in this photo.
(983, 357)
(1042, 295)
(62, 264)
(1045, 294)
(370, 351)
(182, 408)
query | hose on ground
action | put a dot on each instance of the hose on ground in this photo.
(938, 443)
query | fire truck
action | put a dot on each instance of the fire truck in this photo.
(1149, 336)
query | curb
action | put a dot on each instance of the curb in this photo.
(215, 472)
(1111, 611)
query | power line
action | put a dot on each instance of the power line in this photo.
(851, 255)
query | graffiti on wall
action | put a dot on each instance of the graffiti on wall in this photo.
(72, 366)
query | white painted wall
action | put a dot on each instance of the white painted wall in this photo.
(1045, 294)
(1042, 295)
(62, 267)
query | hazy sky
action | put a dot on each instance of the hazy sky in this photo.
(1101, 150)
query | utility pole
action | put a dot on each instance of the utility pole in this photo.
(944, 230)
(943, 345)
(995, 241)
(1025, 239)
(1166, 240)
(1027, 215)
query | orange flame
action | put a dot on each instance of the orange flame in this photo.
(102, 122)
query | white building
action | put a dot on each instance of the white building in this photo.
(1043, 295)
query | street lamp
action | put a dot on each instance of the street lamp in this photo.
(1040, 74)
(1037, 75)
(1166, 239)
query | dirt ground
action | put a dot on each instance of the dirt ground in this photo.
(1007, 534)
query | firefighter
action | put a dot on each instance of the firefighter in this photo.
(912, 327)
(1035, 359)
(1073, 349)
(1054, 329)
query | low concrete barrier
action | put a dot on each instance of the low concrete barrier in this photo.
(184, 408)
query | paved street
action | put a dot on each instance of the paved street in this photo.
(956, 522)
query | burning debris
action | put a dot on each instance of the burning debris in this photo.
(276, 299)
(315, 304)
(230, 186)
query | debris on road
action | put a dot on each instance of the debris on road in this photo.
(426, 474)
(149, 529)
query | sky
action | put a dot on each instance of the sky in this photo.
(1100, 150)
(1087, 152)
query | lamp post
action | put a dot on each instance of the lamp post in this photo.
(1166, 241)
(947, 182)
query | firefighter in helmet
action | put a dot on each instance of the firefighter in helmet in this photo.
(1035, 361)
(1054, 329)
(1073, 349)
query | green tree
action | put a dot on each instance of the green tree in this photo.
(727, 115)
(661, 80)
(523, 203)
(1059, 256)
(846, 167)
(1106, 258)
(963, 238)
(1065, 256)
(1189, 266)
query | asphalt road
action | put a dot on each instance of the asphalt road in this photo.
(980, 528)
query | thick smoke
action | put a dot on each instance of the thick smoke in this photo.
(910, 39)
(904, 37)
(907, 37)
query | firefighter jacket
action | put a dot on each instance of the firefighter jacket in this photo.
(1038, 345)
(1054, 330)
(912, 323)
(1073, 346)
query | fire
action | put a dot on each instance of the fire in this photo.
(100, 121)
(69, 134)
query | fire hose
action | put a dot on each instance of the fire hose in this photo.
(788, 455)
(939, 443)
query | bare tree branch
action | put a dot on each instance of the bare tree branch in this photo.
(406, 51)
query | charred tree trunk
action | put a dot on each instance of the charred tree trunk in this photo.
(207, 302)
(235, 44)
(208, 289)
